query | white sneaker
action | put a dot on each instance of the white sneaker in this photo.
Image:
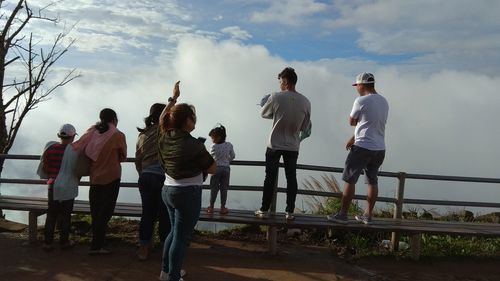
(261, 214)
(338, 218)
(289, 216)
(363, 219)
(164, 275)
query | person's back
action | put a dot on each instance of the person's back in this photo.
(372, 117)
(60, 201)
(290, 112)
(53, 158)
(147, 148)
(223, 153)
(181, 155)
(107, 167)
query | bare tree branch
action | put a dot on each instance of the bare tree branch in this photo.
(26, 94)
(10, 61)
(8, 24)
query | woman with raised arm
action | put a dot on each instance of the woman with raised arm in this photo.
(184, 160)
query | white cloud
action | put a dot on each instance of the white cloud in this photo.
(116, 25)
(289, 12)
(434, 118)
(436, 115)
(429, 26)
(236, 33)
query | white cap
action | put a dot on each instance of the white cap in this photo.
(66, 131)
(364, 78)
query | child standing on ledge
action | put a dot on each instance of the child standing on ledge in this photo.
(223, 153)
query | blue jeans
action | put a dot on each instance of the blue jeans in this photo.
(220, 181)
(183, 205)
(153, 208)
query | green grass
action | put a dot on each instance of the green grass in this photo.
(359, 243)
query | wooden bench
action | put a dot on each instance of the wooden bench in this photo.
(413, 228)
(396, 225)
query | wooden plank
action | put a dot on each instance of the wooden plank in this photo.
(415, 241)
(32, 226)
(39, 205)
(10, 226)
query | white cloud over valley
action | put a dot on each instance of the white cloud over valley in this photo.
(442, 94)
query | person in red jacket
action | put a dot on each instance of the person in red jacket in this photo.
(52, 159)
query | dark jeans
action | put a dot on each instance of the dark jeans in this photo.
(183, 204)
(153, 208)
(102, 200)
(270, 181)
(220, 181)
(58, 210)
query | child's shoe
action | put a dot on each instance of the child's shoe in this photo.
(223, 210)
(143, 252)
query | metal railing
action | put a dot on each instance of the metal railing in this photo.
(398, 200)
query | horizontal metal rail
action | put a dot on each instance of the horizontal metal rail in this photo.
(302, 191)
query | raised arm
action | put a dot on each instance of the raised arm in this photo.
(171, 102)
(267, 110)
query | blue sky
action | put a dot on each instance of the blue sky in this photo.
(437, 63)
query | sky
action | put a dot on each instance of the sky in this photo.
(436, 62)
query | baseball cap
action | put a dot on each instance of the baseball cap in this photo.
(66, 130)
(364, 78)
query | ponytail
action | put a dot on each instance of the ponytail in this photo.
(107, 115)
(153, 118)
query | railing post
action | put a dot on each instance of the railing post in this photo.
(32, 226)
(272, 232)
(398, 207)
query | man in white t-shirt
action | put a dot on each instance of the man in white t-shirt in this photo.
(367, 146)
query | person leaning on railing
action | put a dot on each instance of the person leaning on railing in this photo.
(184, 160)
(106, 147)
(151, 180)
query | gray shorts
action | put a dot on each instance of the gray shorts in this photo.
(362, 159)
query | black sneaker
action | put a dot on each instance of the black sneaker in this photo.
(67, 245)
(47, 247)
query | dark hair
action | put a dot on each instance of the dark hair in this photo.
(218, 131)
(106, 115)
(369, 86)
(178, 115)
(289, 74)
(154, 116)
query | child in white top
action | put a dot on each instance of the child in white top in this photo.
(223, 153)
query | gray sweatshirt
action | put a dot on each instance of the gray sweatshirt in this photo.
(291, 114)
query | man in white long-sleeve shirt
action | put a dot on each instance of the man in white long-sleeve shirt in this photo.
(291, 113)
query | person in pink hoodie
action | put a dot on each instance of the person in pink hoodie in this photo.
(106, 147)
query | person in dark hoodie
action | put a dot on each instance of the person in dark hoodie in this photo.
(151, 179)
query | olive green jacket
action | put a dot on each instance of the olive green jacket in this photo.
(181, 155)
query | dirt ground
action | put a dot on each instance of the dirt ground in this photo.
(210, 259)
